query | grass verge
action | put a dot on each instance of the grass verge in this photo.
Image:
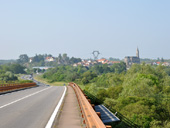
(42, 80)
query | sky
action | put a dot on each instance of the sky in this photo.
(78, 27)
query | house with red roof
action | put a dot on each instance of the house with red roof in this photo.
(50, 59)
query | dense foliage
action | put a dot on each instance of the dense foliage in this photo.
(81, 74)
(40, 60)
(142, 93)
(7, 72)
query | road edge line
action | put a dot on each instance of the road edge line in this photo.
(15, 101)
(51, 120)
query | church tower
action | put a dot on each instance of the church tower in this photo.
(137, 52)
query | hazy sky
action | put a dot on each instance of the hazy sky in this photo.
(77, 27)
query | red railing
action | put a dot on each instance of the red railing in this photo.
(10, 87)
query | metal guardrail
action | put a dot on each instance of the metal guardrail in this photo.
(10, 87)
(126, 121)
(91, 119)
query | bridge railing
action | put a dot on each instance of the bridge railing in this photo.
(91, 119)
(9, 87)
(125, 120)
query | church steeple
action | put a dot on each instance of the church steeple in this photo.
(137, 52)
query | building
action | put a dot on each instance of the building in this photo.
(129, 60)
(50, 59)
(30, 59)
(103, 61)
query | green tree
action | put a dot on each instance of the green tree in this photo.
(38, 58)
(88, 76)
(162, 59)
(74, 60)
(17, 68)
(23, 58)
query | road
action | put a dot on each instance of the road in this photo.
(29, 108)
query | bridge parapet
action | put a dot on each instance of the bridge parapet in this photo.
(90, 117)
(10, 87)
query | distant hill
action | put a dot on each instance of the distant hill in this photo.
(7, 61)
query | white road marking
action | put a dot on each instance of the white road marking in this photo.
(50, 122)
(24, 97)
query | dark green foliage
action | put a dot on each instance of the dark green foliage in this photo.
(119, 67)
(100, 69)
(114, 59)
(61, 73)
(7, 72)
(74, 60)
(142, 94)
(25, 81)
(102, 94)
(105, 68)
(38, 58)
(87, 77)
(14, 68)
(7, 76)
(167, 70)
(113, 92)
(17, 68)
(23, 58)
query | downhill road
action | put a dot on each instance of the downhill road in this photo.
(30, 108)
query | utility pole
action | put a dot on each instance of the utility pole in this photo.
(96, 54)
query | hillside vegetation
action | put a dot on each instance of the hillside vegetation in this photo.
(9, 74)
(142, 93)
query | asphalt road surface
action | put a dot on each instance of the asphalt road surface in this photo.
(29, 108)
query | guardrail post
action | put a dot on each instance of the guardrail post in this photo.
(99, 114)
(84, 122)
(93, 106)
(89, 101)
(108, 126)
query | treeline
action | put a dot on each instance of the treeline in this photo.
(142, 93)
(8, 71)
(81, 74)
(147, 60)
(40, 60)
(7, 61)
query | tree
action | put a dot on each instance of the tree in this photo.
(38, 58)
(158, 59)
(74, 60)
(162, 59)
(65, 58)
(113, 92)
(17, 68)
(88, 76)
(60, 61)
(119, 67)
(23, 58)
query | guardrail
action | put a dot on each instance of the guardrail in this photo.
(91, 118)
(125, 120)
(10, 87)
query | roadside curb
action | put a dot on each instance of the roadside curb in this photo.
(56, 111)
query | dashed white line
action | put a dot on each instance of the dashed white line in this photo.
(24, 97)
